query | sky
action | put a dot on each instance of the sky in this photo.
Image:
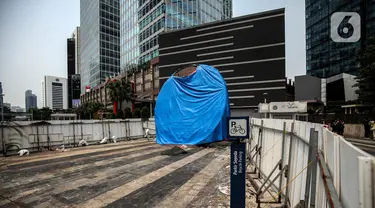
(33, 37)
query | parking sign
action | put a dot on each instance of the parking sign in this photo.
(239, 127)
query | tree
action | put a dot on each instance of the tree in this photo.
(145, 112)
(136, 113)
(365, 80)
(119, 90)
(120, 114)
(45, 113)
(128, 112)
(6, 109)
(88, 110)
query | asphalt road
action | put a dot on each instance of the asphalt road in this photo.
(126, 174)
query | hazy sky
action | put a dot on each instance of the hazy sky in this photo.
(33, 37)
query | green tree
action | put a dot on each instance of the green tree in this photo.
(137, 113)
(6, 109)
(45, 113)
(366, 78)
(128, 112)
(120, 114)
(36, 114)
(145, 112)
(119, 90)
(88, 110)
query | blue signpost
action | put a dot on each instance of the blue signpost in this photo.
(238, 129)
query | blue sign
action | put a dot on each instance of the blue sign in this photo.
(237, 174)
(238, 127)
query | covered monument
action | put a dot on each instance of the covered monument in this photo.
(193, 108)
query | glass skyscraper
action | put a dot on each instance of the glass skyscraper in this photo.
(143, 20)
(100, 41)
(325, 57)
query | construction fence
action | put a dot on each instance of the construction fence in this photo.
(39, 135)
(309, 166)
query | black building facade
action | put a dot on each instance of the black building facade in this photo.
(74, 93)
(327, 57)
(74, 80)
(249, 52)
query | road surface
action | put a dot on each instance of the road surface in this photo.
(126, 174)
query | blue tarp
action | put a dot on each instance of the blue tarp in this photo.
(194, 109)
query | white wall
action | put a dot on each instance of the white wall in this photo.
(24, 135)
(349, 166)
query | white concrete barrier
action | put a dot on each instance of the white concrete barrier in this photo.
(33, 136)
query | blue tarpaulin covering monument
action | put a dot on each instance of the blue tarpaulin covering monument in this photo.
(194, 109)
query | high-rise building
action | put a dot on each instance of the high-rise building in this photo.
(30, 100)
(99, 41)
(74, 78)
(142, 21)
(74, 90)
(54, 92)
(327, 57)
(73, 52)
(77, 54)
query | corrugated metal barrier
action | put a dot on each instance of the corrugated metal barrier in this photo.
(310, 166)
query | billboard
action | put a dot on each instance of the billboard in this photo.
(76, 103)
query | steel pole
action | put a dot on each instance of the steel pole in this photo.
(2, 123)
(2, 107)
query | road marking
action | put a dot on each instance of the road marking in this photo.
(103, 175)
(74, 153)
(126, 189)
(25, 193)
(77, 168)
(186, 193)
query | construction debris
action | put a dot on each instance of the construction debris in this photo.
(104, 140)
(114, 139)
(23, 152)
(83, 143)
(224, 189)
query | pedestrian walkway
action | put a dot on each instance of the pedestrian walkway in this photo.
(126, 174)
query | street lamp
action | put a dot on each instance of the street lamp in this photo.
(265, 97)
(265, 102)
(2, 123)
(2, 107)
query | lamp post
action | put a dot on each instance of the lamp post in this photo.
(265, 102)
(2, 123)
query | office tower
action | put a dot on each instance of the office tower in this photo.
(76, 39)
(73, 52)
(54, 92)
(99, 41)
(142, 21)
(325, 56)
(74, 90)
(74, 78)
(30, 100)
